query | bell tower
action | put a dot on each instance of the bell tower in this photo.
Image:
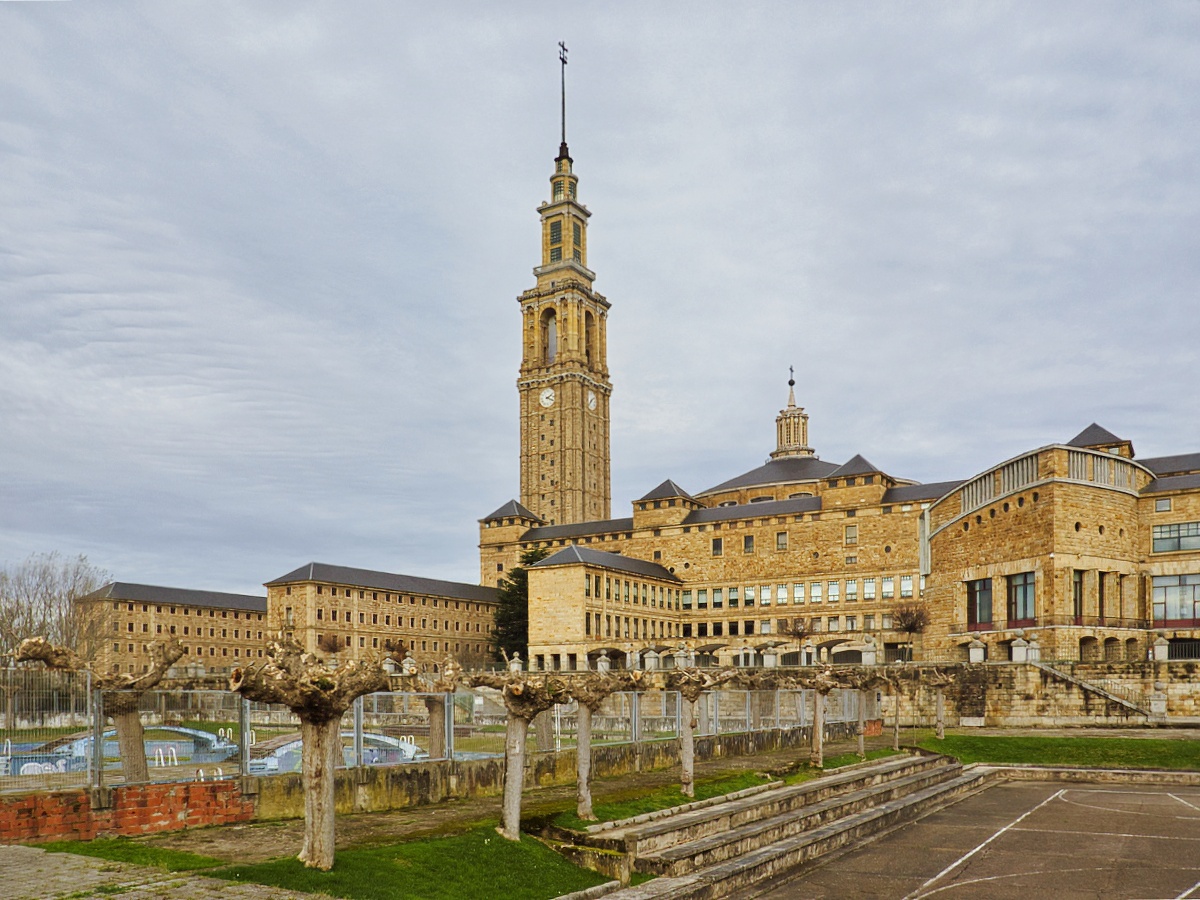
(563, 382)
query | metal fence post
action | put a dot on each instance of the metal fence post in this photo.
(244, 730)
(635, 712)
(358, 731)
(97, 737)
(749, 720)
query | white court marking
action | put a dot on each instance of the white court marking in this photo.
(1184, 802)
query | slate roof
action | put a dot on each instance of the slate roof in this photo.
(387, 581)
(753, 510)
(150, 593)
(909, 493)
(1094, 436)
(579, 529)
(859, 465)
(512, 509)
(1173, 483)
(575, 554)
(784, 470)
(666, 491)
(1173, 465)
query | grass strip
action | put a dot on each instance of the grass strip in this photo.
(1092, 752)
(476, 865)
(135, 852)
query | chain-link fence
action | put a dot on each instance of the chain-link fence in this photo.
(56, 732)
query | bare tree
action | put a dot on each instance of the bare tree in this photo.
(319, 696)
(39, 598)
(911, 618)
(121, 693)
(691, 684)
(589, 691)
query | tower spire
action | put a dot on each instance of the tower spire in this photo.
(791, 387)
(791, 426)
(562, 58)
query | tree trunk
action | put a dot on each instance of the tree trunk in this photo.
(583, 765)
(543, 730)
(896, 721)
(436, 705)
(322, 752)
(816, 756)
(687, 747)
(10, 708)
(514, 775)
(941, 714)
(862, 724)
(131, 741)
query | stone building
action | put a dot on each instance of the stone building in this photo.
(1072, 550)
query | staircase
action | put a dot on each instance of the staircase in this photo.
(723, 848)
(1111, 693)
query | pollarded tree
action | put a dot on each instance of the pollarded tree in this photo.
(911, 618)
(510, 634)
(691, 684)
(589, 691)
(120, 693)
(318, 695)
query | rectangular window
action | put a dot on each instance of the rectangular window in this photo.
(781, 540)
(733, 597)
(750, 595)
(889, 589)
(905, 585)
(702, 598)
(814, 625)
(869, 622)
(814, 592)
(764, 627)
(851, 536)
(687, 599)
(851, 590)
(556, 231)
(832, 592)
(1184, 536)
(1162, 505)
(687, 629)
(1077, 594)
(798, 592)
(835, 623)
(1020, 598)
(718, 629)
(748, 625)
(851, 623)
(718, 546)
(702, 629)
(733, 629)
(979, 603)
(556, 254)
(764, 595)
(718, 598)
(558, 190)
(577, 233)
(587, 585)
(747, 543)
(781, 594)
(868, 589)
(1176, 599)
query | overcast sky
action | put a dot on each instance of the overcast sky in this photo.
(259, 261)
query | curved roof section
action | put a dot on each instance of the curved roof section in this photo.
(785, 470)
(387, 581)
(575, 555)
(753, 510)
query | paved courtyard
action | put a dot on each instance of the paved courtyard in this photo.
(1028, 840)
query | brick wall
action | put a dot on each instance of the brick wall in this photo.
(83, 814)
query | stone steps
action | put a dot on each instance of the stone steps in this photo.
(696, 859)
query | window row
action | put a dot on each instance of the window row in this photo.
(399, 598)
(849, 537)
(795, 628)
(1181, 536)
(1176, 598)
(800, 592)
(185, 610)
(631, 592)
(1020, 594)
(627, 627)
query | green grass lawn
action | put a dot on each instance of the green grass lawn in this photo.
(125, 850)
(623, 807)
(476, 865)
(1099, 752)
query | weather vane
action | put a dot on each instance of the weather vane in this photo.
(562, 58)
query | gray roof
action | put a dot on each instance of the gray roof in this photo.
(150, 593)
(575, 555)
(1173, 465)
(387, 581)
(910, 492)
(859, 465)
(579, 529)
(667, 490)
(784, 470)
(512, 509)
(753, 510)
(1173, 483)
(1094, 436)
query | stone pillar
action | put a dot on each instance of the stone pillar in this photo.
(770, 658)
(602, 662)
(1020, 650)
(1158, 700)
(808, 654)
(631, 659)
(681, 657)
(870, 651)
(515, 664)
(650, 660)
(976, 651)
(1034, 652)
(1162, 649)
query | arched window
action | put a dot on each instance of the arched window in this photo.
(549, 336)
(589, 338)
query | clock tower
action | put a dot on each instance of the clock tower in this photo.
(563, 382)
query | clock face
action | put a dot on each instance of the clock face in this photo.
(546, 398)
(591, 399)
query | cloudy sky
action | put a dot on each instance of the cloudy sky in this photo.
(259, 261)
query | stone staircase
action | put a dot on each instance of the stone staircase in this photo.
(725, 847)
(1131, 702)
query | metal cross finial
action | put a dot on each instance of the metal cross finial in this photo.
(562, 58)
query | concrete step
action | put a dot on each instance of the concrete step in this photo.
(739, 840)
(640, 838)
(746, 873)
